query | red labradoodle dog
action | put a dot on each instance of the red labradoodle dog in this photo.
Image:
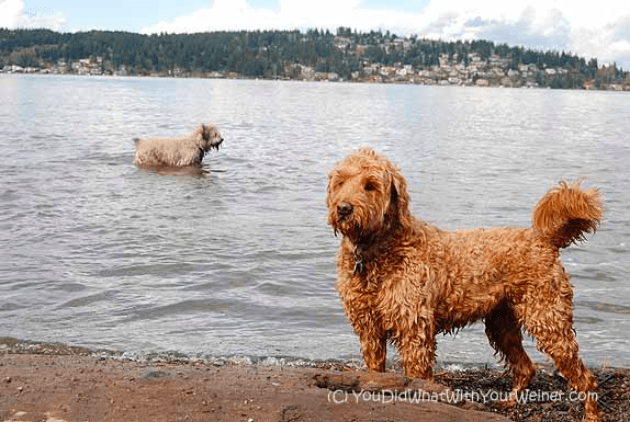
(403, 280)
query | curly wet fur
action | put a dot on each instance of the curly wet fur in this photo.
(178, 151)
(404, 280)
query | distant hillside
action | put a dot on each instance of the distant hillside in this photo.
(311, 55)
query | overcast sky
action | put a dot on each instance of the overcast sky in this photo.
(589, 29)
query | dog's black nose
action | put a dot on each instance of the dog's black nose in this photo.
(344, 209)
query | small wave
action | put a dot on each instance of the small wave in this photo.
(17, 346)
(13, 345)
(605, 307)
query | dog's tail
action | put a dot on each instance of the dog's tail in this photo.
(567, 213)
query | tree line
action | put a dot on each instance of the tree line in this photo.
(265, 54)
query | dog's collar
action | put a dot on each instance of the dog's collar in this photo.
(359, 262)
(363, 253)
(358, 267)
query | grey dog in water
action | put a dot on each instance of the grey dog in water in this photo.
(179, 151)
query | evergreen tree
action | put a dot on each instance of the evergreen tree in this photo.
(272, 53)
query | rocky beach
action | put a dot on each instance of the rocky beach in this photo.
(59, 383)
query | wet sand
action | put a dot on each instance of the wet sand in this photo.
(60, 383)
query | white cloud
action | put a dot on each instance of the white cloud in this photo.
(585, 29)
(10, 12)
(292, 14)
(223, 15)
(601, 31)
(12, 16)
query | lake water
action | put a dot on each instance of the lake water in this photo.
(240, 261)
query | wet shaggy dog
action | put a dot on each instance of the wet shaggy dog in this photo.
(178, 151)
(404, 280)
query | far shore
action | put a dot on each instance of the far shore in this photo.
(392, 79)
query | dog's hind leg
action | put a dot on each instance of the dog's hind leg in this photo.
(550, 321)
(504, 333)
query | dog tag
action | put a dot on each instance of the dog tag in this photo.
(358, 267)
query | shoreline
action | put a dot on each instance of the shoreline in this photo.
(238, 77)
(60, 383)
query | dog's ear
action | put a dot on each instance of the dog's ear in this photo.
(399, 198)
(199, 136)
(329, 202)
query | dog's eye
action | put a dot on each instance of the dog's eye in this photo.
(369, 186)
(338, 183)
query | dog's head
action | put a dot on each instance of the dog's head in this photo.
(366, 195)
(208, 137)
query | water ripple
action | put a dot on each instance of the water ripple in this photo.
(239, 260)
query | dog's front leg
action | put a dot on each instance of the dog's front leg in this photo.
(374, 350)
(373, 338)
(417, 350)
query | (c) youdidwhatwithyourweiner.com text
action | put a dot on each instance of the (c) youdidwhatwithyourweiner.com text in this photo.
(454, 396)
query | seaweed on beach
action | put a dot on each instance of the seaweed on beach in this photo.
(548, 397)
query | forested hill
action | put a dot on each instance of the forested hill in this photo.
(315, 54)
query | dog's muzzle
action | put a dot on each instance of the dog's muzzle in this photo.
(344, 210)
(216, 144)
